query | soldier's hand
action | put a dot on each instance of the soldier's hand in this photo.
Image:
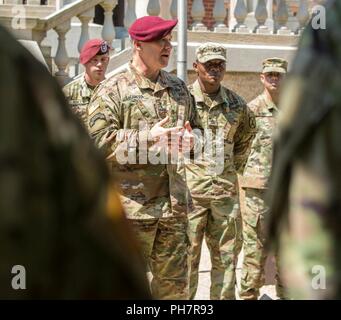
(187, 141)
(158, 131)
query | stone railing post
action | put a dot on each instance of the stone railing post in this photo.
(282, 16)
(174, 9)
(302, 15)
(39, 36)
(108, 31)
(240, 13)
(165, 9)
(61, 60)
(130, 13)
(261, 15)
(198, 13)
(85, 18)
(153, 7)
(219, 14)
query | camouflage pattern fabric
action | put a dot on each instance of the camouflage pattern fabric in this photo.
(210, 51)
(219, 222)
(274, 65)
(78, 94)
(148, 191)
(116, 111)
(216, 211)
(254, 210)
(164, 244)
(304, 193)
(58, 218)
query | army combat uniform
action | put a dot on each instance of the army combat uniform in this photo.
(305, 185)
(253, 185)
(154, 195)
(78, 94)
(58, 218)
(214, 192)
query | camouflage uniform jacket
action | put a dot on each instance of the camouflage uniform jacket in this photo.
(115, 114)
(78, 94)
(258, 166)
(58, 217)
(228, 112)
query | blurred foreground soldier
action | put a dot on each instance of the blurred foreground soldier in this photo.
(254, 181)
(305, 188)
(95, 58)
(212, 180)
(57, 218)
(129, 114)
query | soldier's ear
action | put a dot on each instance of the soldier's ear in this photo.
(262, 77)
(137, 45)
(195, 66)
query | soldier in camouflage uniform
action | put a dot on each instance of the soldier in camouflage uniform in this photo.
(95, 58)
(254, 181)
(128, 114)
(58, 218)
(305, 185)
(216, 213)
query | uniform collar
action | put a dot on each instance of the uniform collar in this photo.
(269, 104)
(86, 89)
(144, 83)
(199, 95)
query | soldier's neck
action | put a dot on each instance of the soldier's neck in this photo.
(208, 88)
(92, 82)
(148, 72)
(272, 96)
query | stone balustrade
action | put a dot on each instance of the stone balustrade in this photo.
(31, 21)
(282, 17)
(273, 17)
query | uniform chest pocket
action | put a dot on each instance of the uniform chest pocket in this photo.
(135, 116)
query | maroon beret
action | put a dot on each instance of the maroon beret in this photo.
(91, 48)
(150, 28)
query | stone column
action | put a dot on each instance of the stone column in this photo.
(130, 13)
(85, 18)
(174, 9)
(282, 16)
(198, 13)
(153, 7)
(219, 14)
(141, 8)
(108, 31)
(240, 13)
(261, 15)
(61, 60)
(302, 15)
(165, 9)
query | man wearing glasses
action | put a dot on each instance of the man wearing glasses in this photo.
(212, 179)
(95, 58)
